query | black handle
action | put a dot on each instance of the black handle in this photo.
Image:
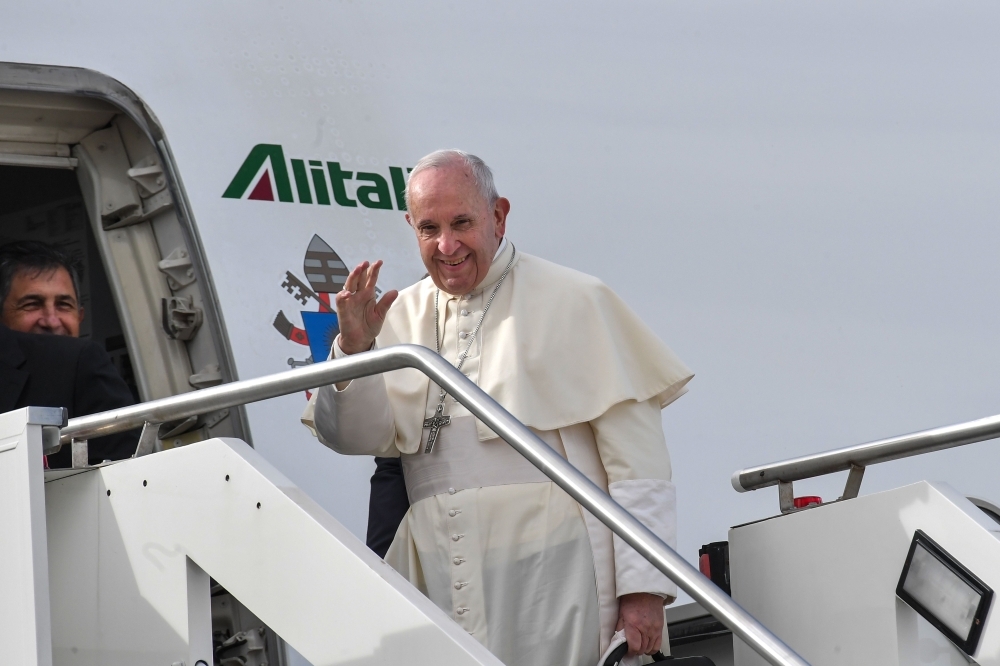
(619, 653)
(616, 655)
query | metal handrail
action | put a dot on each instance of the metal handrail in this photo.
(863, 455)
(498, 419)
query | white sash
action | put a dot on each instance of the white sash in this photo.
(460, 461)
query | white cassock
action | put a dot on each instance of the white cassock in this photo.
(503, 550)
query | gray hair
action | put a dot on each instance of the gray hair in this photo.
(481, 173)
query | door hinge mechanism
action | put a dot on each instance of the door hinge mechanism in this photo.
(210, 375)
(178, 269)
(181, 317)
(150, 179)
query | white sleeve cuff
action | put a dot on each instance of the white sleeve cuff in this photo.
(356, 420)
(337, 353)
(654, 503)
(335, 350)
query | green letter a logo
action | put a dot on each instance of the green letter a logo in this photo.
(251, 167)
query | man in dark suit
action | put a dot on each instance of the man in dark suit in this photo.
(42, 363)
(61, 371)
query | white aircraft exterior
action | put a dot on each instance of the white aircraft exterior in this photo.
(800, 200)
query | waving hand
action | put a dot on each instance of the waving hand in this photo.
(359, 314)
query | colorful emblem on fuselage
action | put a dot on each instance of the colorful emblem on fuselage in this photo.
(325, 273)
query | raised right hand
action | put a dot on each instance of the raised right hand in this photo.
(359, 315)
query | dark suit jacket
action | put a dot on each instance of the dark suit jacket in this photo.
(59, 371)
(387, 504)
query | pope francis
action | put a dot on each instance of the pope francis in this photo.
(504, 551)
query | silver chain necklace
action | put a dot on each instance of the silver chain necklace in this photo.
(440, 420)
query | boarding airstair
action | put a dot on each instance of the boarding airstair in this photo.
(899, 577)
(112, 565)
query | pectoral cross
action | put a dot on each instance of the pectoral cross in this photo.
(435, 423)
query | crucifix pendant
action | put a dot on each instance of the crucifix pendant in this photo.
(435, 423)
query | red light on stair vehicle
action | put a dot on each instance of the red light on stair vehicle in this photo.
(806, 500)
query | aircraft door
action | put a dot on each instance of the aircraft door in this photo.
(150, 300)
(123, 224)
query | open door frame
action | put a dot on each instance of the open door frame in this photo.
(88, 83)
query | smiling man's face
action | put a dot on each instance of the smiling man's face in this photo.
(458, 232)
(42, 302)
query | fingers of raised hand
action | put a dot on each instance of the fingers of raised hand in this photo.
(354, 278)
(341, 298)
(372, 276)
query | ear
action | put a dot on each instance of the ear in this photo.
(500, 211)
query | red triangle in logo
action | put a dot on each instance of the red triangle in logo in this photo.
(262, 190)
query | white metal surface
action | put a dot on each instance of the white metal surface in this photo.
(130, 569)
(824, 579)
(25, 629)
(106, 607)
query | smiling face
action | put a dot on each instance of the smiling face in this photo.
(42, 302)
(458, 232)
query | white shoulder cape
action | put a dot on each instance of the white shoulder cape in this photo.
(558, 348)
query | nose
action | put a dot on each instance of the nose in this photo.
(50, 320)
(448, 243)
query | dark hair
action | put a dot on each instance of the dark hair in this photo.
(37, 257)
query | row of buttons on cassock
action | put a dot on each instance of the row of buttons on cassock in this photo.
(458, 560)
(465, 334)
(451, 491)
